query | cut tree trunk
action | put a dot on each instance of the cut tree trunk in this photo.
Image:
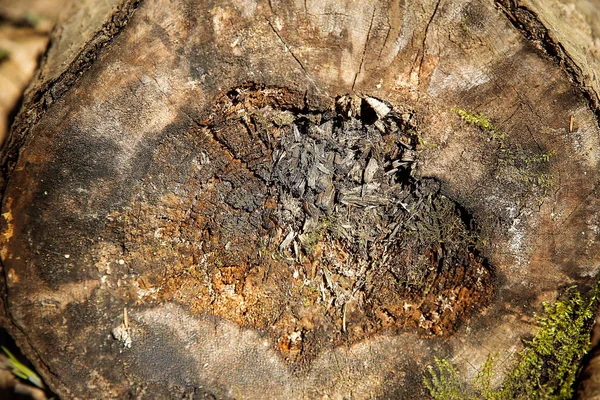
(251, 199)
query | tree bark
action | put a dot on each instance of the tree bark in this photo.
(286, 199)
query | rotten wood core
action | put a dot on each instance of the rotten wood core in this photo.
(306, 224)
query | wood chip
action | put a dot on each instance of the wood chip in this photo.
(370, 170)
(380, 108)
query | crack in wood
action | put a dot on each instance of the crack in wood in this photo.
(224, 147)
(580, 202)
(385, 40)
(424, 43)
(364, 53)
(289, 50)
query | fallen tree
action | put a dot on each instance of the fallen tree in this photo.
(303, 199)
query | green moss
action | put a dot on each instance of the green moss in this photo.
(481, 121)
(515, 164)
(423, 143)
(307, 302)
(547, 366)
(540, 158)
(310, 239)
(549, 362)
(283, 118)
(464, 24)
(4, 54)
(444, 382)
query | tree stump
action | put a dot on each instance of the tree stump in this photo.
(250, 199)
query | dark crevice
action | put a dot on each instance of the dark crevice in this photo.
(362, 59)
(530, 26)
(424, 43)
(12, 115)
(332, 225)
(342, 182)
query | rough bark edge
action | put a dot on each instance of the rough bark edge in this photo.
(531, 27)
(36, 101)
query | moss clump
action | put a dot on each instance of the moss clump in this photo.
(540, 158)
(445, 383)
(517, 167)
(482, 122)
(313, 236)
(547, 366)
(549, 363)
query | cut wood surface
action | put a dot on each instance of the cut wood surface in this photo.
(241, 198)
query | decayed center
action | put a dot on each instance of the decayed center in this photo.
(307, 225)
